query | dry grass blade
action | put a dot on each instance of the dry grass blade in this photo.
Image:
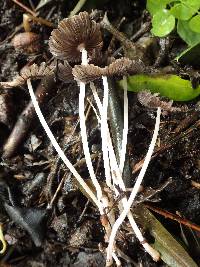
(72, 35)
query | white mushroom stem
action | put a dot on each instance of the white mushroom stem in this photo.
(117, 180)
(104, 132)
(125, 130)
(58, 148)
(84, 136)
(128, 205)
(117, 261)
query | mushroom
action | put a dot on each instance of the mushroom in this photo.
(120, 67)
(78, 38)
(75, 36)
(34, 72)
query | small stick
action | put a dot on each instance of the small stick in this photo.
(118, 35)
(57, 191)
(40, 20)
(145, 28)
(174, 217)
(24, 7)
(26, 118)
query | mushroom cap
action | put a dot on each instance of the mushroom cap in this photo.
(87, 73)
(124, 66)
(72, 35)
(65, 72)
(119, 67)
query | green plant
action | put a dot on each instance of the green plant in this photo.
(166, 14)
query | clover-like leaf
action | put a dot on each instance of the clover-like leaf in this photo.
(182, 11)
(194, 24)
(184, 31)
(163, 23)
(154, 6)
(193, 4)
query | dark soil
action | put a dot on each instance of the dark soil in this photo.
(62, 235)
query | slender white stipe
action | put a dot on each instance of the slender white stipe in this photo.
(127, 207)
(57, 147)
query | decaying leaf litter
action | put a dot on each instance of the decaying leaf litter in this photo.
(44, 211)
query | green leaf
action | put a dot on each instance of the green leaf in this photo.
(181, 11)
(163, 23)
(172, 253)
(195, 23)
(153, 6)
(193, 3)
(184, 31)
(171, 86)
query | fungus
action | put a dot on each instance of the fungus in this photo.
(153, 101)
(64, 72)
(120, 67)
(75, 39)
(58, 148)
(125, 212)
(118, 181)
(74, 35)
(34, 71)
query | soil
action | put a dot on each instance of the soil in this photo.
(65, 234)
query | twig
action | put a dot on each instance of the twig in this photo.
(144, 28)
(24, 7)
(174, 217)
(57, 191)
(26, 118)
(118, 35)
(41, 21)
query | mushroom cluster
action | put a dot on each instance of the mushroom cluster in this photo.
(78, 40)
